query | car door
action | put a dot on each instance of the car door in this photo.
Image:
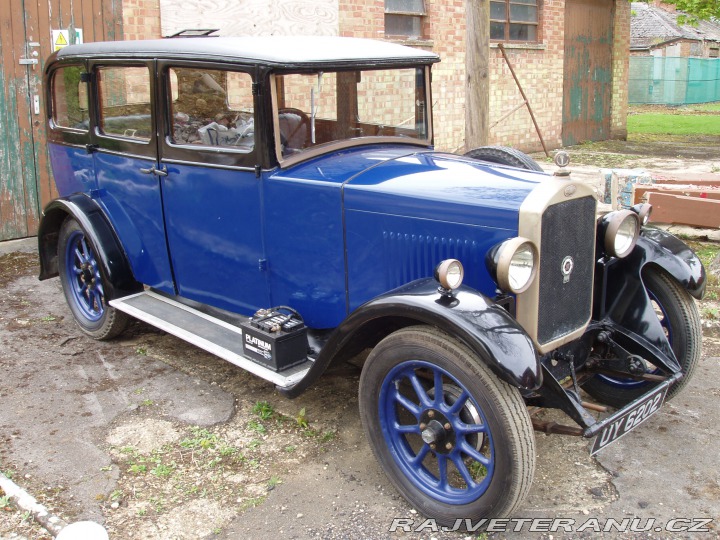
(124, 147)
(211, 193)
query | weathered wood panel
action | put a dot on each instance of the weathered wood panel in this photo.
(252, 17)
(17, 168)
(26, 184)
(587, 92)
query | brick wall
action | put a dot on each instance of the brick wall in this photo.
(141, 19)
(621, 69)
(540, 71)
(538, 66)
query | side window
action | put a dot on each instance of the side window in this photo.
(211, 107)
(125, 102)
(69, 99)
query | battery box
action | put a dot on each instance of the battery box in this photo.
(275, 339)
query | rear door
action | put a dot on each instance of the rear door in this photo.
(211, 194)
(124, 146)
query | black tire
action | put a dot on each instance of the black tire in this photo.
(679, 315)
(499, 461)
(84, 284)
(504, 155)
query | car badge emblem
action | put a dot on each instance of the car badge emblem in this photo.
(567, 267)
(569, 190)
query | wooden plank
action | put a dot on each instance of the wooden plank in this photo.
(88, 22)
(708, 179)
(641, 192)
(77, 16)
(587, 88)
(477, 75)
(15, 105)
(685, 210)
(9, 173)
(41, 192)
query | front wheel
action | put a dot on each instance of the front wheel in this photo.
(679, 317)
(84, 285)
(454, 440)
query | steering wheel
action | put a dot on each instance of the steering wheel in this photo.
(304, 120)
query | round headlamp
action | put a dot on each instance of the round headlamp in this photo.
(643, 212)
(515, 262)
(621, 233)
(449, 273)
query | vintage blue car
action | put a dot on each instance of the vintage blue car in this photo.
(278, 202)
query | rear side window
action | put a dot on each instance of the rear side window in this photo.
(212, 108)
(125, 109)
(69, 99)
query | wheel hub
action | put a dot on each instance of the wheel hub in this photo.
(87, 273)
(437, 431)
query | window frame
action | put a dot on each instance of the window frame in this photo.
(507, 22)
(276, 102)
(419, 14)
(113, 142)
(208, 156)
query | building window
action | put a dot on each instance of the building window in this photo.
(404, 18)
(514, 20)
(714, 52)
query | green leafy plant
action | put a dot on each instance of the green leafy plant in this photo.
(301, 418)
(202, 439)
(163, 471)
(138, 468)
(257, 427)
(274, 481)
(264, 410)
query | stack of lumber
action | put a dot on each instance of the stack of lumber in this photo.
(687, 199)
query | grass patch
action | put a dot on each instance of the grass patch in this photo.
(706, 107)
(677, 124)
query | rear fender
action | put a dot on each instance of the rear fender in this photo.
(486, 328)
(114, 264)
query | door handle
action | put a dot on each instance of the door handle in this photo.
(156, 172)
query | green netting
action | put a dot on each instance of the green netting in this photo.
(674, 81)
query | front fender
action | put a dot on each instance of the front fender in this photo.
(667, 251)
(486, 328)
(91, 218)
(621, 299)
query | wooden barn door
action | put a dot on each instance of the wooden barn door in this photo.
(587, 91)
(26, 184)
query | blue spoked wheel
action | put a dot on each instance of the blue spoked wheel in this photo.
(455, 440)
(83, 284)
(678, 314)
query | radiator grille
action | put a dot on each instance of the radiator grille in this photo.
(565, 302)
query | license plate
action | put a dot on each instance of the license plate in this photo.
(628, 419)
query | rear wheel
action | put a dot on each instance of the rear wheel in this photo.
(84, 286)
(454, 440)
(504, 155)
(679, 317)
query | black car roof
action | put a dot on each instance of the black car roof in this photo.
(273, 51)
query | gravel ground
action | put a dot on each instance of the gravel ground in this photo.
(159, 440)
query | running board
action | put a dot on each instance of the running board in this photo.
(205, 331)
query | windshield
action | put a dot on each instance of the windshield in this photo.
(313, 109)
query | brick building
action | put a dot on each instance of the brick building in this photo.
(655, 30)
(571, 57)
(573, 98)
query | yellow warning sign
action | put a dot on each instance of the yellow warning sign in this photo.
(61, 38)
(61, 41)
